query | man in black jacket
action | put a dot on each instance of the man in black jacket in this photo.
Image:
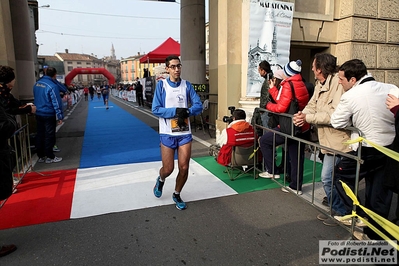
(262, 118)
(8, 126)
(139, 93)
(7, 101)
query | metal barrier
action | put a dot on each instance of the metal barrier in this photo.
(22, 156)
(314, 148)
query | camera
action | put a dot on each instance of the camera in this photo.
(229, 119)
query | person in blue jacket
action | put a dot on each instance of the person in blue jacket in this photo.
(49, 112)
(63, 90)
(171, 104)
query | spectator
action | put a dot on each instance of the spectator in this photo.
(278, 77)
(272, 119)
(11, 105)
(282, 99)
(48, 112)
(262, 118)
(8, 126)
(318, 111)
(63, 90)
(392, 167)
(238, 133)
(7, 100)
(266, 73)
(171, 104)
(369, 114)
(139, 93)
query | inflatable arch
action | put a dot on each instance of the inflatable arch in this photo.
(86, 71)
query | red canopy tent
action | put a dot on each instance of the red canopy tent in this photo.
(159, 54)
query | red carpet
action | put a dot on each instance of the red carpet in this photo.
(40, 199)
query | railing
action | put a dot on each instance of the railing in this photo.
(310, 196)
(21, 155)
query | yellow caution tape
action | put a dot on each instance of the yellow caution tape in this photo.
(390, 227)
(253, 154)
(393, 154)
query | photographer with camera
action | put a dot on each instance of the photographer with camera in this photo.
(262, 118)
(292, 88)
(238, 133)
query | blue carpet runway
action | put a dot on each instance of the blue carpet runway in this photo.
(114, 136)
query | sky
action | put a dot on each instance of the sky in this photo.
(92, 26)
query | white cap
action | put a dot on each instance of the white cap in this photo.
(292, 68)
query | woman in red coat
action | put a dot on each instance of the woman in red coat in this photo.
(282, 99)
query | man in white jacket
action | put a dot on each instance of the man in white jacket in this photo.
(363, 106)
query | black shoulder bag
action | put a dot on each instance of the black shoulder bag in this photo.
(286, 122)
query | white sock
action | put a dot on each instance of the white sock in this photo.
(177, 193)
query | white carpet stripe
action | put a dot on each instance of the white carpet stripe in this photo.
(118, 188)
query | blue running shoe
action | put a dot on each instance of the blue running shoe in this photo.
(158, 188)
(180, 204)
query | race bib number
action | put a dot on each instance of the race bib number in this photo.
(176, 128)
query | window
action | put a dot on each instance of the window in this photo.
(88, 63)
(69, 63)
(314, 9)
(70, 69)
(79, 63)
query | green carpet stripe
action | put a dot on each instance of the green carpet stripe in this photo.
(247, 183)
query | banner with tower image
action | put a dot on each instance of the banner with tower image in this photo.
(270, 24)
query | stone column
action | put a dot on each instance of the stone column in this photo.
(6, 43)
(192, 38)
(228, 42)
(24, 59)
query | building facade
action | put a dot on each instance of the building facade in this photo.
(131, 68)
(363, 29)
(73, 60)
(65, 62)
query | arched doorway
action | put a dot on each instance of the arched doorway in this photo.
(86, 71)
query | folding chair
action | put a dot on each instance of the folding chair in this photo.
(241, 162)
